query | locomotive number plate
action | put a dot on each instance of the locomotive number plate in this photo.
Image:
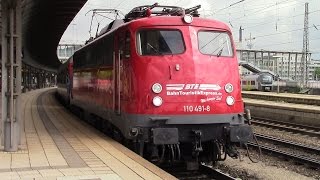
(199, 108)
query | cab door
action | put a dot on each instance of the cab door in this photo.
(121, 68)
(117, 74)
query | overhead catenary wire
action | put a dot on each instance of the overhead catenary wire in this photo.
(231, 5)
(282, 32)
(115, 7)
(258, 10)
(273, 20)
(289, 42)
(272, 34)
(264, 10)
(261, 10)
(281, 19)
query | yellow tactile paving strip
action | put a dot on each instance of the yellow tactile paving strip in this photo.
(100, 146)
(40, 158)
(60, 135)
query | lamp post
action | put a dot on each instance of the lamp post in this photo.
(278, 85)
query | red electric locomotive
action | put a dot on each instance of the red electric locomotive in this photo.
(166, 81)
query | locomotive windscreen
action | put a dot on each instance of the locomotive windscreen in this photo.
(158, 42)
(215, 43)
(266, 79)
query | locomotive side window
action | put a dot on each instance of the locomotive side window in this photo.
(215, 43)
(127, 45)
(121, 45)
(159, 42)
(98, 54)
(124, 45)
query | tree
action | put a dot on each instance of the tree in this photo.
(317, 73)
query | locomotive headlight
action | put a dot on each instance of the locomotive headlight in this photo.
(188, 18)
(230, 100)
(157, 88)
(228, 87)
(157, 101)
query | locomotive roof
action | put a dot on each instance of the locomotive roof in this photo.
(176, 21)
(164, 21)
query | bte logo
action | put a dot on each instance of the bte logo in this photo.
(179, 87)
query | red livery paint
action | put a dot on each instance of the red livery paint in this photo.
(159, 71)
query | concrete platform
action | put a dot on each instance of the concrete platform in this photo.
(283, 111)
(57, 145)
(283, 97)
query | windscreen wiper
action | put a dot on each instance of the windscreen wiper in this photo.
(154, 49)
(220, 52)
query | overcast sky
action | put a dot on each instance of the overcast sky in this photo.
(273, 24)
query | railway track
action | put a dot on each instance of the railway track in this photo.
(275, 146)
(204, 173)
(290, 144)
(301, 159)
(290, 127)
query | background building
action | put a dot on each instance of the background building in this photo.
(288, 65)
(64, 51)
(314, 64)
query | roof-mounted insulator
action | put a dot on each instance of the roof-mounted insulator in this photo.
(147, 11)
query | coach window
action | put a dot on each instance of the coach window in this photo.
(160, 42)
(215, 43)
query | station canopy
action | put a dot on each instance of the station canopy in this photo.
(43, 24)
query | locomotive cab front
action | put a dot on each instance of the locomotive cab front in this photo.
(187, 80)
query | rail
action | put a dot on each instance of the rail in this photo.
(288, 143)
(291, 127)
(314, 163)
(204, 172)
